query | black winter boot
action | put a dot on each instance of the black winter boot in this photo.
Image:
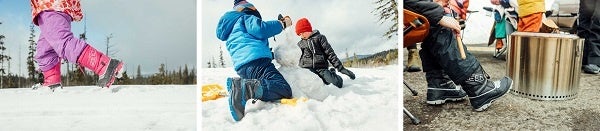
(240, 91)
(440, 88)
(482, 92)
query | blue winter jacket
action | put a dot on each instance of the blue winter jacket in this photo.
(246, 36)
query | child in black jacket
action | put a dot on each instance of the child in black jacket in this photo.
(317, 54)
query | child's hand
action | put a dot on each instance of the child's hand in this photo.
(451, 23)
(348, 73)
(285, 21)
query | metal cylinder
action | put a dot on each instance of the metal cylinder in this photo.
(544, 66)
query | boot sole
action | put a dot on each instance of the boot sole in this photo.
(439, 102)
(413, 69)
(485, 106)
(117, 74)
(232, 111)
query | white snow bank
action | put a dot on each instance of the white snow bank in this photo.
(370, 102)
(89, 108)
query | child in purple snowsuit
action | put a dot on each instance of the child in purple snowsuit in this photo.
(57, 42)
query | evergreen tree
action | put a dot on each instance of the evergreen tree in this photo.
(139, 72)
(193, 75)
(3, 58)
(221, 57)
(214, 64)
(355, 60)
(125, 80)
(31, 72)
(186, 79)
(387, 11)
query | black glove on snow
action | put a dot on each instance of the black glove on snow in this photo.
(347, 72)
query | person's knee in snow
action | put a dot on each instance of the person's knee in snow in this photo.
(317, 53)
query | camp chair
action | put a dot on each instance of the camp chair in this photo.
(416, 28)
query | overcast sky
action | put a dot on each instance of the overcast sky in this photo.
(346, 24)
(146, 32)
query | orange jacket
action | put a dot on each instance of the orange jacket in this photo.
(528, 7)
(70, 7)
(462, 11)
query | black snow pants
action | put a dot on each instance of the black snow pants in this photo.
(328, 76)
(440, 52)
(589, 29)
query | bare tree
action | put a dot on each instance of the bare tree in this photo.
(110, 52)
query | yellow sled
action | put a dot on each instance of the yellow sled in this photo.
(216, 91)
(212, 92)
(293, 101)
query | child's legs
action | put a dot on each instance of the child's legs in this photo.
(320, 76)
(56, 31)
(274, 86)
(45, 55)
(331, 77)
(440, 51)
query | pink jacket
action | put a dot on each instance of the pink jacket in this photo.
(71, 7)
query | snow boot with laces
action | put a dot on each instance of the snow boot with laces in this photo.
(440, 88)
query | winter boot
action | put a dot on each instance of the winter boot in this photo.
(499, 45)
(441, 89)
(591, 69)
(413, 61)
(482, 92)
(52, 78)
(240, 91)
(107, 69)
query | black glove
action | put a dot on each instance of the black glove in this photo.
(272, 54)
(347, 72)
(285, 21)
(462, 24)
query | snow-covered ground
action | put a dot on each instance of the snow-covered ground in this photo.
(90, 108)
(370, 102)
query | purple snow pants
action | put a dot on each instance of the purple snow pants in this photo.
(56, 40)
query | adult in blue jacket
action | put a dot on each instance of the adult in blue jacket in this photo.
(246, 36)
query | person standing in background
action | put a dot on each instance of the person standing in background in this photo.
(589, 28)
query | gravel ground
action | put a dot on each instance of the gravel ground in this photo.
(510, 112)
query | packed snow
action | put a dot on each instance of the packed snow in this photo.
(370, 102)
(90, 108)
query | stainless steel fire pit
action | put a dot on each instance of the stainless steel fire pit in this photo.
(545, 66)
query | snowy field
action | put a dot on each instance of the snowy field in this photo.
(90, 108)
(370, 102)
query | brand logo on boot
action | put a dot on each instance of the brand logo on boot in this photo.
(477, 78)
(92, 58)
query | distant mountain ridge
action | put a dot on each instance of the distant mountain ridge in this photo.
(382, 58)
